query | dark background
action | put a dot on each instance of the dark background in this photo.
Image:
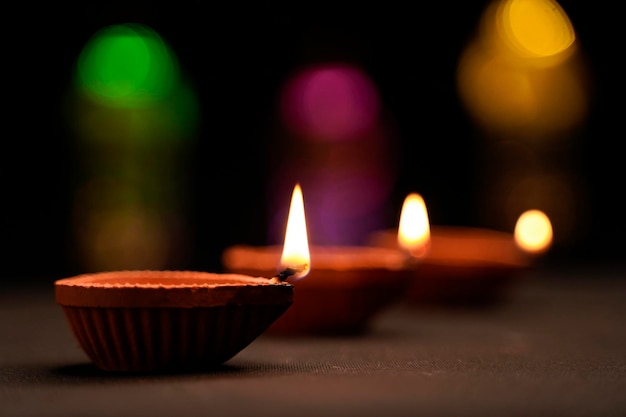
(237, 58)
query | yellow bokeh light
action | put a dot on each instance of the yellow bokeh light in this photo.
(522, 75)
(538, 28)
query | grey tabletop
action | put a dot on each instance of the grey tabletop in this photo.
(555, 346)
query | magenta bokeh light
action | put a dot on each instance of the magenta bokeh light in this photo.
(338, 147)
(330, 102)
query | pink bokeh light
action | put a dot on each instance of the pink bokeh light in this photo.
(330, 102)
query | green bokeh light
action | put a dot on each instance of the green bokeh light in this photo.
(127, 65)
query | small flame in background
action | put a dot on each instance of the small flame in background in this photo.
(414, 226)
(533, 232)
(296, 254)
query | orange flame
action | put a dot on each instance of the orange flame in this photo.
(296, 255)
(414, 227)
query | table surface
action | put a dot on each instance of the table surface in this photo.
(555, 346)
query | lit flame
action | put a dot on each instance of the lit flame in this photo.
(533, 232)
(414, 227)
(296, 255)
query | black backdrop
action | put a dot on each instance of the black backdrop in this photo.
(236, 59)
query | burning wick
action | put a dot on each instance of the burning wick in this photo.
(286, 273)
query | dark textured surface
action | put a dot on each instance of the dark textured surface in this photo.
(556, 346)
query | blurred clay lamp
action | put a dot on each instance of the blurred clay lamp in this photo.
(345, 288)
(472, 265)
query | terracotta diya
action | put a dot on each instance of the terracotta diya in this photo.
(345, 289)
(473, 265)
(346, 286)
(462, 264)
(147, 321)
